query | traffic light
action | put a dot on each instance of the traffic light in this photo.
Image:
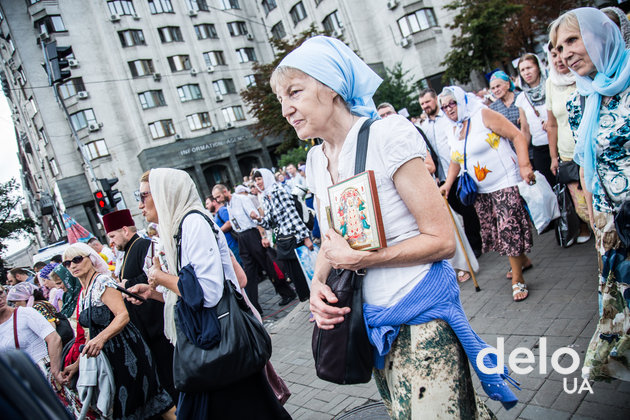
(58, 67)
(106, 185)
(102, 204)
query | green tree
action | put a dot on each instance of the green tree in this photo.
(398, 90)
(294, 156)
(262, 101)
(12, 223)
(479, 45)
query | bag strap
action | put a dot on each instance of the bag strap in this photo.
(434, 155)
(178, 236)
(466, 142)
(15, 335)
(362, 146)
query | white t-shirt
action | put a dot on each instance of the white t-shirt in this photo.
(393, 141)
(32, 329)
(239, 209)
(539, 136)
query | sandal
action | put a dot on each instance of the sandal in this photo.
(519, 288)
(525, 268)
(463, 276)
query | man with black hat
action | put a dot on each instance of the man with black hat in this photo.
(148, 317)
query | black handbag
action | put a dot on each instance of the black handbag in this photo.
(243, 350)
(568, 172)
(567, 226)
(466, 187)
(285, 247)
(344, 354)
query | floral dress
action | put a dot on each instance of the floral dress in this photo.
(608, 354)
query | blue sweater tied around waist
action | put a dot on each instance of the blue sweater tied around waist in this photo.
(436, 296)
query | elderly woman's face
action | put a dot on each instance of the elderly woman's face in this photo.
(306, 105)
(573, 51)
(499, 88)
(556, 61)
(79, 268)
(449, 107)
(529, 72)
(146, 203)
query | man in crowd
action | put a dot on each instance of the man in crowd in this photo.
(104, 251)
(251, 244)
(18, 275)
(437, 128)
(148, 317)
(222, 219)
(296, 178)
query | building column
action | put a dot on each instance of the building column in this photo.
(201, 181)
(266, 157)
(236, 169)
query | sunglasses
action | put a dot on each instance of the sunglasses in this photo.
(76, 260)
(451, 104)
(144, 195)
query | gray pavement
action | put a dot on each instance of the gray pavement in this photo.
(562, 306)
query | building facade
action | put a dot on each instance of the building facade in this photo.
(155, 83)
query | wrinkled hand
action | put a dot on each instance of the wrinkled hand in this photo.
(69, 372)
(554, 166)
(325, 315)
(527, 173)
(339, 254)
(444, 190)
(265, 242)
(154, 272)
(141, 289)
(308, 243)
(93, 347)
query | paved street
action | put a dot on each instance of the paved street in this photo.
(561, 306)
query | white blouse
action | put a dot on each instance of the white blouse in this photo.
(393, 141)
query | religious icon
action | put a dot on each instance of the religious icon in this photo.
(355, 212)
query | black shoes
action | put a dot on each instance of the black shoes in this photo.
(286, 300)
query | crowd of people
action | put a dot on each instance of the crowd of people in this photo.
(121, 304)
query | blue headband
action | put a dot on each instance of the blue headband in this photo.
(501, 75)
(331, 62)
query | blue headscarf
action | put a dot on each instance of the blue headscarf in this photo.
(606, 48)
(500, 74)
(331, 62)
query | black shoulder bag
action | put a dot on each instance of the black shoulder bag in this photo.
(344, 354)
(244, 346)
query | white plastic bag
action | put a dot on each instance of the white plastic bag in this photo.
(541, 201)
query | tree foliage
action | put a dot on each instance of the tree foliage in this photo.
(294, 156)
(12, 222)
(261, 100)
(398, 90)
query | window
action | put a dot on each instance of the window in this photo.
(71, 87)
(277, 30)
(206, 30)
(170, 34)
(214, 58)
(417, 21)
(179, 63)
(332, 24)
(233, 113)
(141, 68)
(189, 93)
(224, 86)
(53, 166)
(161, 128)
(43, 136)
(269, 5)
(11, 46)
(131, 37)
(199, 121)
(237, 28)
(97, 149)
(197, 5)
(32, 105)
(121, 7)
(50, 24)
(229, 4)
(160, 6)
(82, 119)
(298, 13)
(151, 99)
(245, 55)
(250, 80)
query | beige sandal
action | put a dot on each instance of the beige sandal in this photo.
(519, 288)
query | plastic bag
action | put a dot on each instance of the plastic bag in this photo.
(541, 201)
(568, 224)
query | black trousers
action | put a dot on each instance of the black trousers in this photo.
(472, 228)
(297, 276)
(255, 259)
(542, 163)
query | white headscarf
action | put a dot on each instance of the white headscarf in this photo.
(268, 179)
(535, 94)
(85, 250)
(556, 78)
(467, 103)
(174, 194)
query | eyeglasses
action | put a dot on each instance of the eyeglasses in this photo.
(76, 260)
(451, 104)
(144, 195)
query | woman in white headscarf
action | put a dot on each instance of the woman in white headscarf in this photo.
(281, 215)
(166, 198)
(481, 134)
(592, 47)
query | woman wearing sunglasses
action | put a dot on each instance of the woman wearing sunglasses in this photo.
(496, 170)
(138, 393)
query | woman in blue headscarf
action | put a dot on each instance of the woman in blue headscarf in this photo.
(420, 366)
(502, 89)
(593, 48)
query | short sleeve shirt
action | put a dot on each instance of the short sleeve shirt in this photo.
(535, 122)
(32, 329)
(557, 98)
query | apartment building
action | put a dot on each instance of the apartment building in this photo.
(155, 83)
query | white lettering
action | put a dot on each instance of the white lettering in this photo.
(513, 360)
(542, 347)
(566, 389)
(500, 358)
(585, 385)
(555, 357)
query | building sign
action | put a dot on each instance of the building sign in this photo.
(210, 146)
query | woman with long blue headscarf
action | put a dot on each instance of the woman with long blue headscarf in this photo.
(503, 90)
(410, 293)
(594, 50)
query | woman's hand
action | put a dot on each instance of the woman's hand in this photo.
(308, 243)
(325, 315)
(154, 273)
(444, 190)
(338, 253)
(94, 346)
(554, 165)
(266, 243)
(527, 173)
(69, 372)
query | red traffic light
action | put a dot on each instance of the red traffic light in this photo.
(100, 199)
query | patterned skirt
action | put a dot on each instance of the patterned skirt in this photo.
(505, 226)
